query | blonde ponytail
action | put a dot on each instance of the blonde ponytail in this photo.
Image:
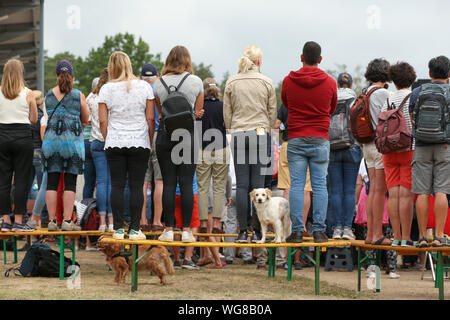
(251, 55)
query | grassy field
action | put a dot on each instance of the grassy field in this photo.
(234, 282)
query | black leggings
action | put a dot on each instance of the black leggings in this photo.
(70, 181)
(172, 174)
(16, 159)
(131, 163)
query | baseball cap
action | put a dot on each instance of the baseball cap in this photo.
(345, 78)
(149, 70)
(63, 66)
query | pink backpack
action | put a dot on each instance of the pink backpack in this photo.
(393, 133)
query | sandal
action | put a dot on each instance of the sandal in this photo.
(422, 243)
(442, 242)
(381, 242)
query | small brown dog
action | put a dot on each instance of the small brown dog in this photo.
(157, 260)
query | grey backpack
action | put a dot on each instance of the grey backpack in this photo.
(431, 114)
(340, 135)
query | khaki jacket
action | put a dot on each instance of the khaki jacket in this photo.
(249, 102)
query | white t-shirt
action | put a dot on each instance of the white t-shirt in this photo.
(127, 124)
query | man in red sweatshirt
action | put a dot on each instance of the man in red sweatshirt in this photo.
(310, 96)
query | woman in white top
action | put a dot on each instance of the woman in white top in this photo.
(17, 112)
(97, 147)
(127, 122)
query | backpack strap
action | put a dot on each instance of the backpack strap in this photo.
(177, 87)
(404, 101)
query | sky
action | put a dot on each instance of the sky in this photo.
(350, 32)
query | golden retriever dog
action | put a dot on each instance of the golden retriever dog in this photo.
(157, 260)
(272, 211)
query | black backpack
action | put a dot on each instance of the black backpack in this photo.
(41, 261)
(431, 114)
(340, 135)
(176, 111)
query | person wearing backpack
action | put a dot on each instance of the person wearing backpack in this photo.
(377, 74)
(345, 158)
(179, 99)
(310, 95)
(127, 119)
(397, 163)
(429, 107)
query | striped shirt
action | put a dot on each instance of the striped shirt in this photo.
(396, 98)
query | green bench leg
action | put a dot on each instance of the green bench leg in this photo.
(440, 275)
(134, 269)
(317, 271)
(15, 248)
(73, 257)
(289, 270)
(61, 257)
(271, 262)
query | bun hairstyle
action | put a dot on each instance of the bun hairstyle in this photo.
(12, 79)
(211, 88)
(251, 55)
(101, 81)
(64, 75)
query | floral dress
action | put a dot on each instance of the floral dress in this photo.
(63, 145)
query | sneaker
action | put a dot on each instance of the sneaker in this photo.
(396, 243)
(320, 237)
(348, 234)
(295, 237)
(337, 233)
(136, 235)
(167, 236)
(177, 264)
(229, 261)
(406, 243)
(242, 237)
(119, 234)
(66, 226)
(102, 228)
(187, 236)
(52, 226)
(283, 266)
(6, 227)
(110, 228)
(21, 228)
(393, 275)
(256, 236)
(32, 224)
(189, 264)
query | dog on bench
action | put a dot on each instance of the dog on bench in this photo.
(272, 211)
(157, 260)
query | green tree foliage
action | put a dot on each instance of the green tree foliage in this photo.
(225, 78)
(202, 71)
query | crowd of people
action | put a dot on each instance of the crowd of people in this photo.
(173, 133)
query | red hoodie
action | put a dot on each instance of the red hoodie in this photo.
(310, 96)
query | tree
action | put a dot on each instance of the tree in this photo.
(202, 71)
(359, 82)
(98, 58)
(225, 78)
(278, 93)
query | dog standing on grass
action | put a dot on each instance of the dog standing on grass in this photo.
(272, 211)
(157, 260)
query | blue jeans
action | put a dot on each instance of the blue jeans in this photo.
(89, 172)
(40, 199)
(300, 155)
(342, 173)
(103, 178)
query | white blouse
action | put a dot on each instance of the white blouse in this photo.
(92, 103)
(16, 110)
(127, 123)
